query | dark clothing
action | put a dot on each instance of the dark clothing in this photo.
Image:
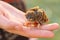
(9, 36)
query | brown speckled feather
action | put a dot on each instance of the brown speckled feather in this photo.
(36, 15)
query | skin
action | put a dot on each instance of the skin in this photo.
(12, 20)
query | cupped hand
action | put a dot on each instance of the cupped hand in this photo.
(12, 20)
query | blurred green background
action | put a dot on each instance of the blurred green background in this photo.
(52, 8)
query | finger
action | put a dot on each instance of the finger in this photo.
(40, 34)
(36, 33)
(14, 11)
(52, 26)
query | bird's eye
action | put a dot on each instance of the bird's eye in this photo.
(29, 16)
(35, 12)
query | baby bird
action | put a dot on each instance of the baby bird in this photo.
(36, 16)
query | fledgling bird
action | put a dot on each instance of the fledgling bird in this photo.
(36, 16)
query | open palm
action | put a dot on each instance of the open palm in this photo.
(12, 20)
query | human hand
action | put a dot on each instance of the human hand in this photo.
(12, 20)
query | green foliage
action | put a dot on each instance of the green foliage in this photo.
(52, 8)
